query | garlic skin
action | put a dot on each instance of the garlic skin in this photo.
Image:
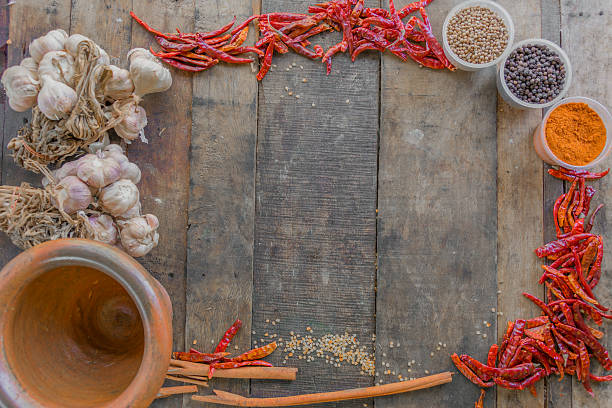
(21, 87)
(98, 146)
(113, 149)
(55, 99)
(139, 235)
(72, 195)
(133, 212)
(102, 228)
(52, 41)
(30, 65)
(58, 65)
(68, 169)
(103, 59)
(72, 43)
(119, 197)
(131, 125)
(120, 85)
(130, 171)
(98, 172)
(148, 74)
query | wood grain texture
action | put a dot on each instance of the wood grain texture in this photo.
(558, 394)
(436, 222)
(519, 204)
(5, 256)
(164, 162)
(222, 196)
(315, 208)
(28, 19)
(589, 23)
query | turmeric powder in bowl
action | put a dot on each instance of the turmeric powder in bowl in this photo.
(575, 133)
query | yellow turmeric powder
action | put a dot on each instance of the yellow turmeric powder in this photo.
(575, 133)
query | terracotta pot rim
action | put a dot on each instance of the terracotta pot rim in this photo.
(147, 294)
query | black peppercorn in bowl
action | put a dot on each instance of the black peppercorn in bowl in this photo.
(535, 74)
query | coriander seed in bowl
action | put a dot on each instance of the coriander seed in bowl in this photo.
(477, 34)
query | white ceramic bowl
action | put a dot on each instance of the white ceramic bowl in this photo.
(500, 11)
(539, 135)
(514, 101)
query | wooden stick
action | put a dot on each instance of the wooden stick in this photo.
(181, 389)
(188, 380)
(226, 398)
(263, 373)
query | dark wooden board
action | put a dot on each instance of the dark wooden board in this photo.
(27, 20)
(315, 225)
(437, 226)
(222, 197)
(4, 108)
(558, 394)
(589, 23)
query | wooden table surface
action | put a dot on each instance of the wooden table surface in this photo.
(388, 199)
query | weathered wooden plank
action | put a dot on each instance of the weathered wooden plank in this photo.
(4, 37)
(28, 19)
(315, 213)
(107, 24)
(558, 394)
(437, 222)
(164, 188)
(519, 204)
(222, 195)
(589, 23)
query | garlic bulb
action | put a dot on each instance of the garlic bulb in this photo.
(103, 59)
(148, 74)
(102, 228)
(139, 235)
(21, 88)
(68, 169)
(30, 65)
(119, 85)
(131, 125)
(52, 41)
(133, 212)
(98, 146)
(58, 65)
(98, 172)
(56, 99)
(71, 195)
(130, 171)
(119, 197)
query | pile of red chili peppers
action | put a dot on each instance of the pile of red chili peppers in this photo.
(560, 341)
(362, 28)
(218, 359)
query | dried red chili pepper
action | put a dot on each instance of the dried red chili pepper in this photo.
(256, 354)
(173, 46)
(486, 373)
(589, 225)
(562, 214)
(228, 336)
(556, 213)
(570, 212)
(468, 373)
(412, 7)
(223, 56)
(590, 192)
(244, 24)
(242, 50)
(513, 343)
(492, 355)
(340, 47)
(585, 174)
(211, 34)
(536, 321)
(596, 268)
(198, 357)
(561, 244)
(599, 351)
(603, 378)
(480, 402)
(584, 365)
(523, 384)
(266, 62)
(580, 206)
(185, 67)
(431, 41)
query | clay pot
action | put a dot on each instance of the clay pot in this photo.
(82, 324)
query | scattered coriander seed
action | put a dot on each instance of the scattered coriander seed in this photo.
(290, 93)
(195, 342)
(426, 371)
(313, 105)
(297, 96)
(431, 354)
(348, 101)
(477, 35)
(492, 310)
(484, 335)
(304, 80)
